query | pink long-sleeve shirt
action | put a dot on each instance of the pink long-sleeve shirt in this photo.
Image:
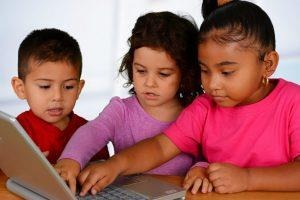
(124, 123)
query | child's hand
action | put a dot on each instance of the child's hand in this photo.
(97, 176)
(68, 169)
(228, 178)
(196, 178)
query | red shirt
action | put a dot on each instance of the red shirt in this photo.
(50, 138)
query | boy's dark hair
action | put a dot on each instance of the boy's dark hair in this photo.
(177, 36)
(239, 21)
(48, 45)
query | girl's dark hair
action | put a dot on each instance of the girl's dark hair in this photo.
(208, 6)
(177, 36)
(48, 45)
(239, 21)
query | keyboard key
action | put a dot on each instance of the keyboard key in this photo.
(113, 193)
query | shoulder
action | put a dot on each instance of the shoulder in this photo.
(117, 107)
(27, 117)
(288, 90)
(78, 119)
(290, 86)
(199, 108)
(123, 103)
(23, 115)
(285, 96)
(202, 101)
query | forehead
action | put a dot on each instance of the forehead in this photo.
(156, 58)
(51, 69)
(213, 51)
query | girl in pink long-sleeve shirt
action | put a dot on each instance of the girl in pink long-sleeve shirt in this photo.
(162, 66)
(246, 124)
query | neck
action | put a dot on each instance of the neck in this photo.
(268, 89)
(63, 123)
(167, 112)
(262, 92)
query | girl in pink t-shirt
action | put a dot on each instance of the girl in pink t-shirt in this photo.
(246, 124)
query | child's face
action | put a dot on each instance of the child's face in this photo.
(156, 77)
(231, 75)
(51, 90)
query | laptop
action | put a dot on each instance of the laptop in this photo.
(32, 177)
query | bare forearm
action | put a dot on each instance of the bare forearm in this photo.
(145, 155)
(281, 178)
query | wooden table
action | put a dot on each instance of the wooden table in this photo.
(6, 195)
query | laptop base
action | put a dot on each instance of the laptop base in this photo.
(22, 191)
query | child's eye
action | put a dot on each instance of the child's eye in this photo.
(164, 74)
(227, 73)
(44, 87)
(68, 87)
(140, 71)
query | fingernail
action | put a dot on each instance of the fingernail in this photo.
(94, 191)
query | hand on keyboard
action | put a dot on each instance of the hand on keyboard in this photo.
(68, 169)
(113, 192)
(96, 177)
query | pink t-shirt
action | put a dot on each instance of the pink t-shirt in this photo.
(266, 133)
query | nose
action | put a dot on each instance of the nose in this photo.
(150, 81)
(214, 82)
(57, 94)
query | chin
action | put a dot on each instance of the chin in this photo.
(226, 104)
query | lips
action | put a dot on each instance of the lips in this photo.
(219, 98)
(55, 111)
(150, 95)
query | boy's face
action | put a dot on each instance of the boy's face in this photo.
(51, 90)
(231, 75)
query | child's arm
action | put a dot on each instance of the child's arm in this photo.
(197, 178)
(68, 169)
(95, 134)
(141, 157)
(228, 178)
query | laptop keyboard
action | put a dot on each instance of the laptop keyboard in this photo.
(113, 193)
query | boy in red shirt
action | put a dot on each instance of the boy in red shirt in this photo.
(49, 70)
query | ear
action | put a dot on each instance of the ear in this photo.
(81, 85)
(18, 86)
(271, 61)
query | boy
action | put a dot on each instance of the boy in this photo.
(49, 70)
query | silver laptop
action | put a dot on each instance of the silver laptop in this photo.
(32, 177)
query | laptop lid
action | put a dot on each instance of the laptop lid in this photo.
(25, 165)
(32, 177)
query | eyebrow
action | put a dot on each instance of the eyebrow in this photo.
(44, 79)
(224, 63)
(172, 67)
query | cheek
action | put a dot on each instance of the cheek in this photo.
(70, 102)
(172, 87)
(33, 95)
(136, 80)
(71, 95)
(37, 104)
(240, 89)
